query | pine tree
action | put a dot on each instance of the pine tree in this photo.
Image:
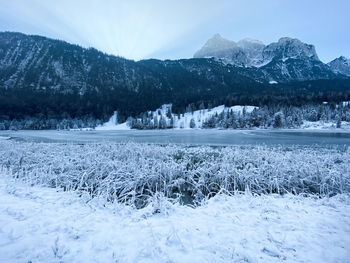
(155, 122)
(168, 114)
(192, 124)
(278, 120)
(338, 118)
(171, 122)
(162, 123)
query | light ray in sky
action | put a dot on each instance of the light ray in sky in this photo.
(140, 29)
(133, 29)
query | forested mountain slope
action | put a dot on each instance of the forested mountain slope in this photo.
(50, 79)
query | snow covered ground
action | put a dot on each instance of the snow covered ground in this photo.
(108, 126)
(318, 125)
(45, 225)
(99, 222)
(113, 125)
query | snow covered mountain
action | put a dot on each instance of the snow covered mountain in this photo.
(288, 48)
(253, 50)
(49, 78)
(340, 65)
(246, 52)
(41, 63)
(286, 60)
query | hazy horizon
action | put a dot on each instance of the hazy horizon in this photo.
(173, 30)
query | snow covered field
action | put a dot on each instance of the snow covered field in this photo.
(44, 225)
(125, 203)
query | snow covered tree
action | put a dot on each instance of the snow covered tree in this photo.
(192, 124)
(209, 123)
(162, 123)
(278, 120)
(15, 125)
(168, 114)
(171, 122)
(338, 118)
(189, 108)
(155, 122)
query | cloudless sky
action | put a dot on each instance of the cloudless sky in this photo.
(138, 29)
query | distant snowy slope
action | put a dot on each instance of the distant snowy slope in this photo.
(189, 120)
(113, 124)
(200, 116)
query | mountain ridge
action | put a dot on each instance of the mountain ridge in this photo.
(45, 77)
(340, 65)
(288, 59)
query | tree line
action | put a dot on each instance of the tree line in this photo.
(272, 116)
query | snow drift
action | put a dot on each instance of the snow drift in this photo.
(46, 225)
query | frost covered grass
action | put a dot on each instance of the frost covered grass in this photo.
(137, 174)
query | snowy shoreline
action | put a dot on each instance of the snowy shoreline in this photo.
(39, 224)
(309, 126)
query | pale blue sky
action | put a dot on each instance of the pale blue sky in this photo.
(176, 29)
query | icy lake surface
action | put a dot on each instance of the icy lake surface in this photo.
(189, 137)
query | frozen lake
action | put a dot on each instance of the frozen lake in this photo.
(190, 137)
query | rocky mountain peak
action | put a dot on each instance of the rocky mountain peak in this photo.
(342, 58)
(289, 58)
(217, 46)
(340, 65)
(250, 41)
(254, 52)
